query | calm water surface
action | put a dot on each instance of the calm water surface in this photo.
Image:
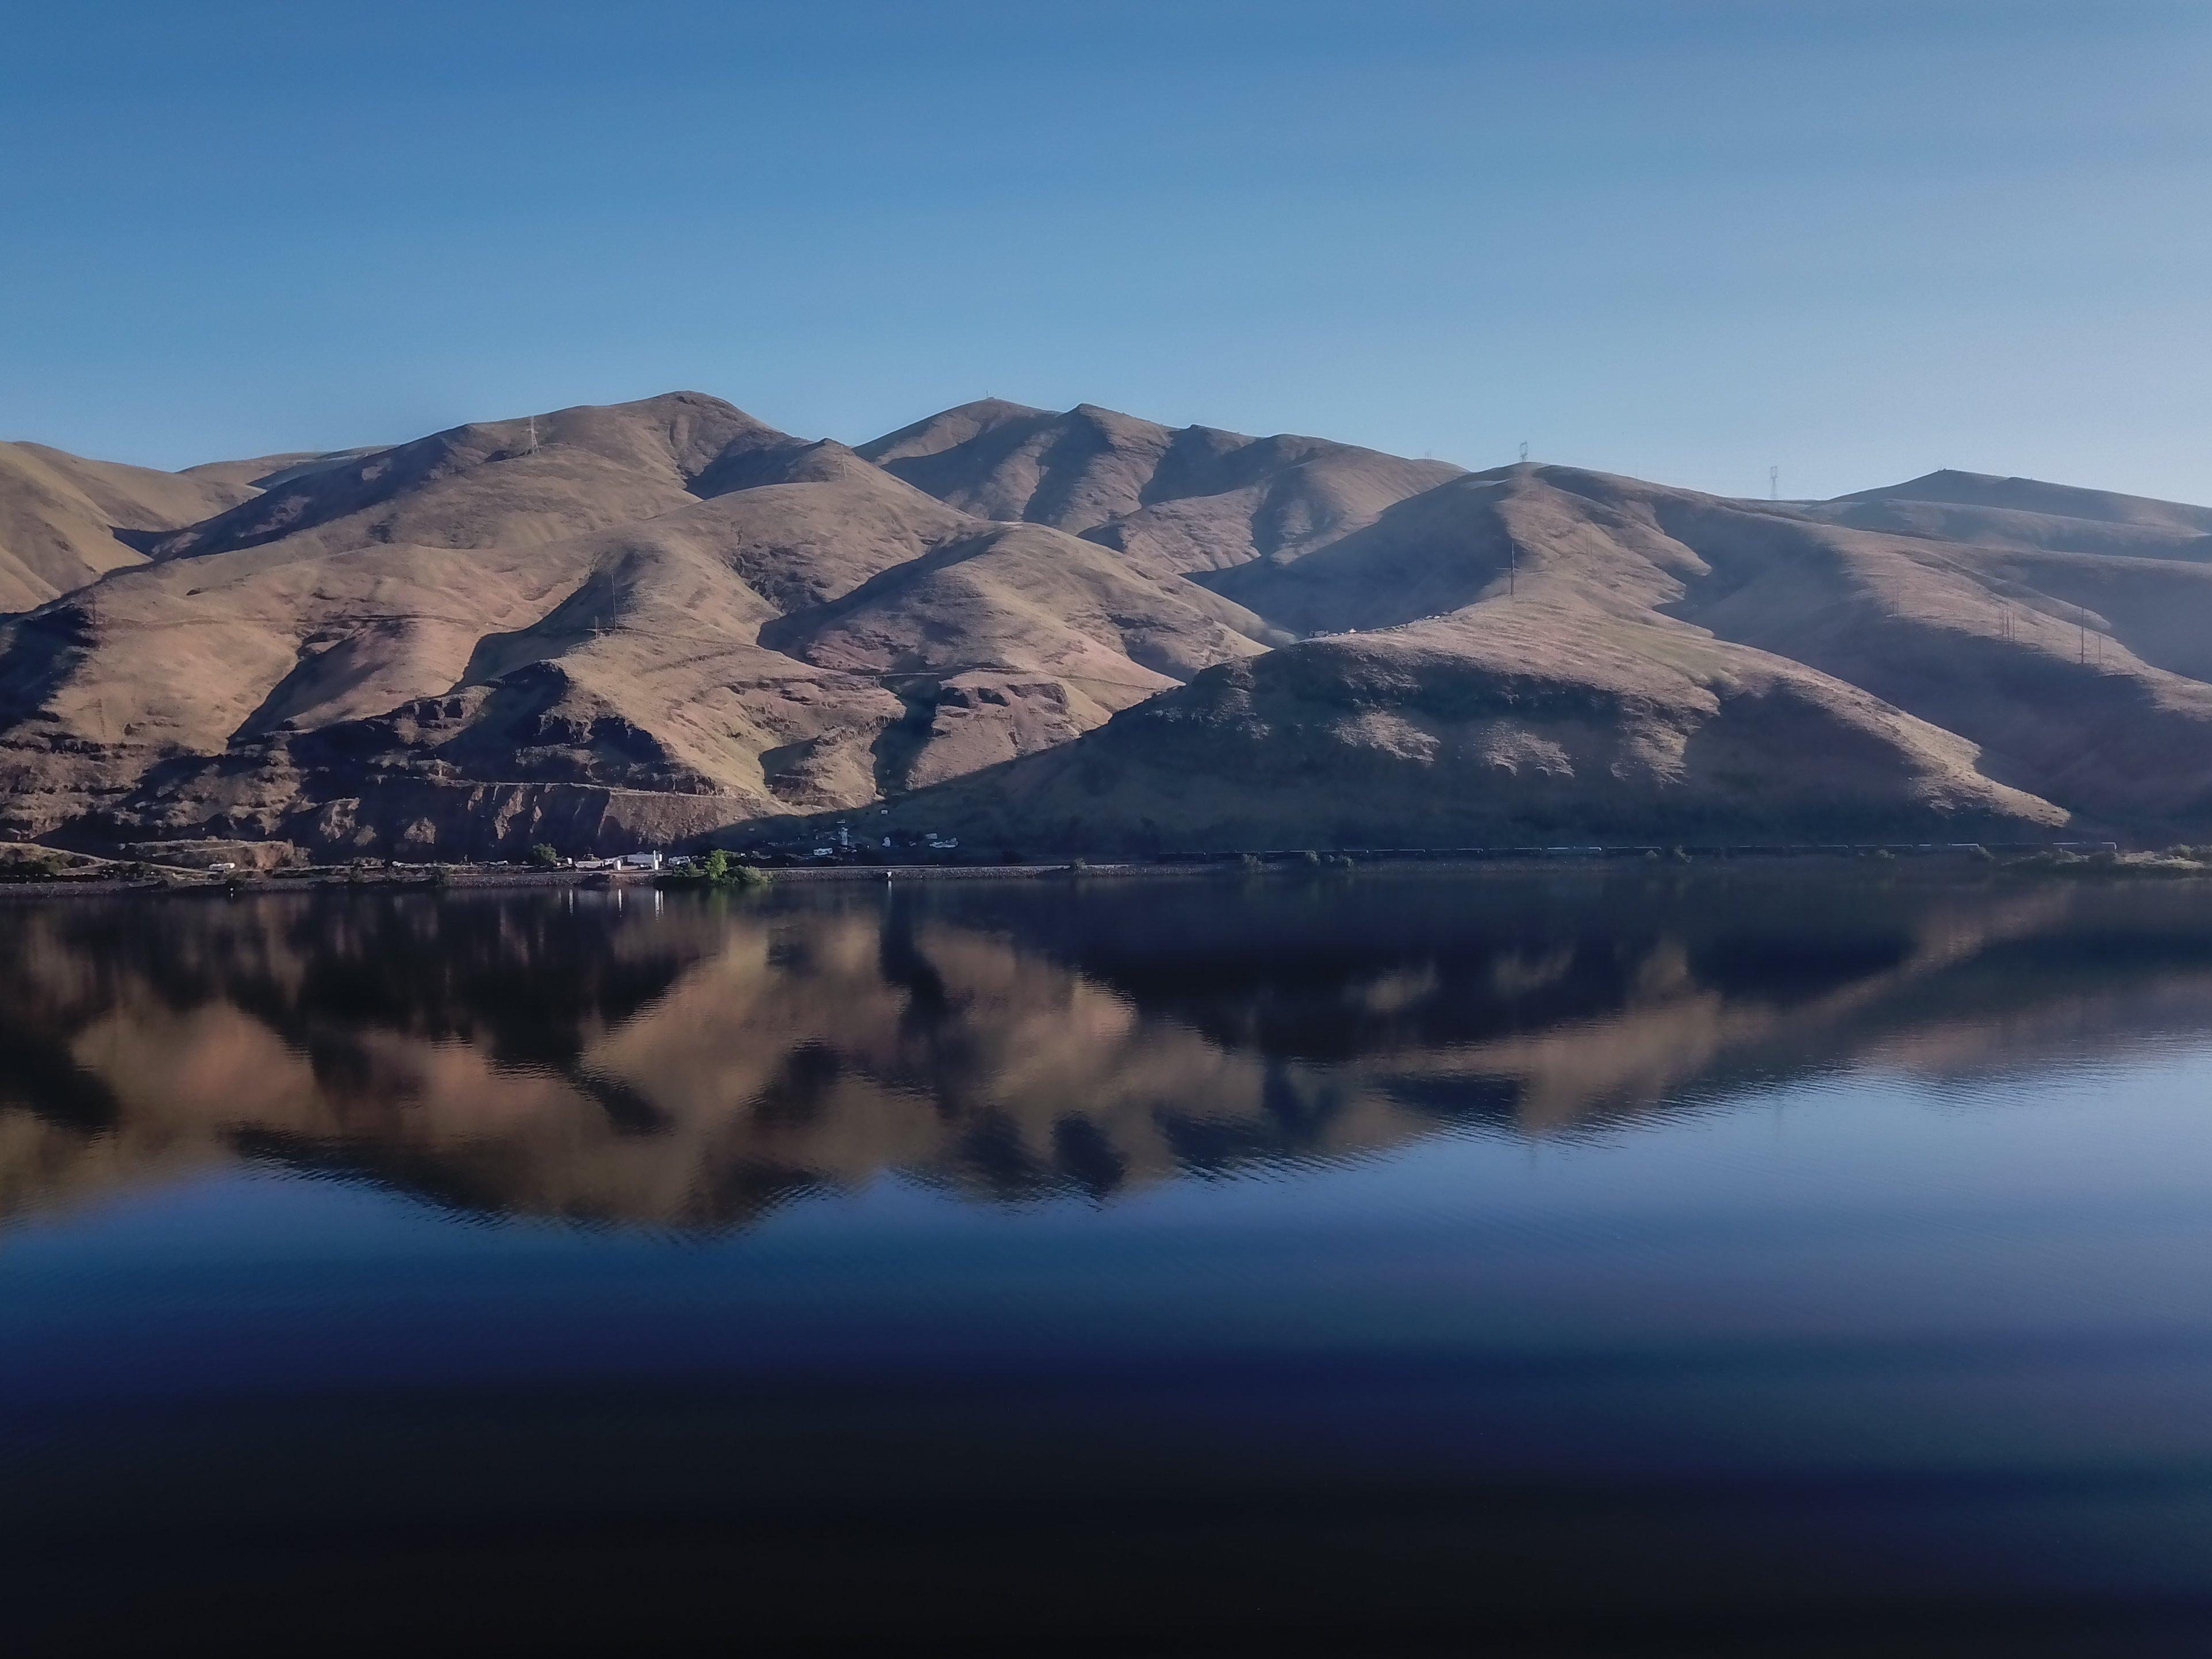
(1760, 1262)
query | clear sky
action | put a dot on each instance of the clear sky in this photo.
(1857, 241)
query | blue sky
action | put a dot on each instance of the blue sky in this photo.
(1684, 240)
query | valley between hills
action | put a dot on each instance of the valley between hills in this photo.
(666, 622)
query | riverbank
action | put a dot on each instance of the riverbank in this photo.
(98, 878)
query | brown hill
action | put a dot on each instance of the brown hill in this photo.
(2031, 495)
(531, 480)
(65, 521)
(648, 620)
(1567, 653)
(1508, 723)
(2022, 513)
(1189, 499)
(664, 619)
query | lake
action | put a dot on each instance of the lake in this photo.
(1735, 1260)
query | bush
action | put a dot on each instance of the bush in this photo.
(544, 857)
(716, 869)
(36, 865)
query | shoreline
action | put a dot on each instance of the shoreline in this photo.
(2025, 859)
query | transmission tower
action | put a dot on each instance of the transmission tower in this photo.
(1773, 483)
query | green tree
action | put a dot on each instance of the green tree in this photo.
(544, 857)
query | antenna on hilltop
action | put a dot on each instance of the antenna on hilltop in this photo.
(1773, 483)
(1524, 452)
(532, 450)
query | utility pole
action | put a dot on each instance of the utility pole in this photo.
(532, 450)
(1773, 483)
(1524, 452)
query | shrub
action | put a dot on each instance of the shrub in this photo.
(544, 857)
(717, 869)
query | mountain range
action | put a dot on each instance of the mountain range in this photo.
(666, 621)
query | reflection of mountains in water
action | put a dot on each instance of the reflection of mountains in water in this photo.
(691, 1064)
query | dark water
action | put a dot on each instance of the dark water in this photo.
(1756, 1263)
